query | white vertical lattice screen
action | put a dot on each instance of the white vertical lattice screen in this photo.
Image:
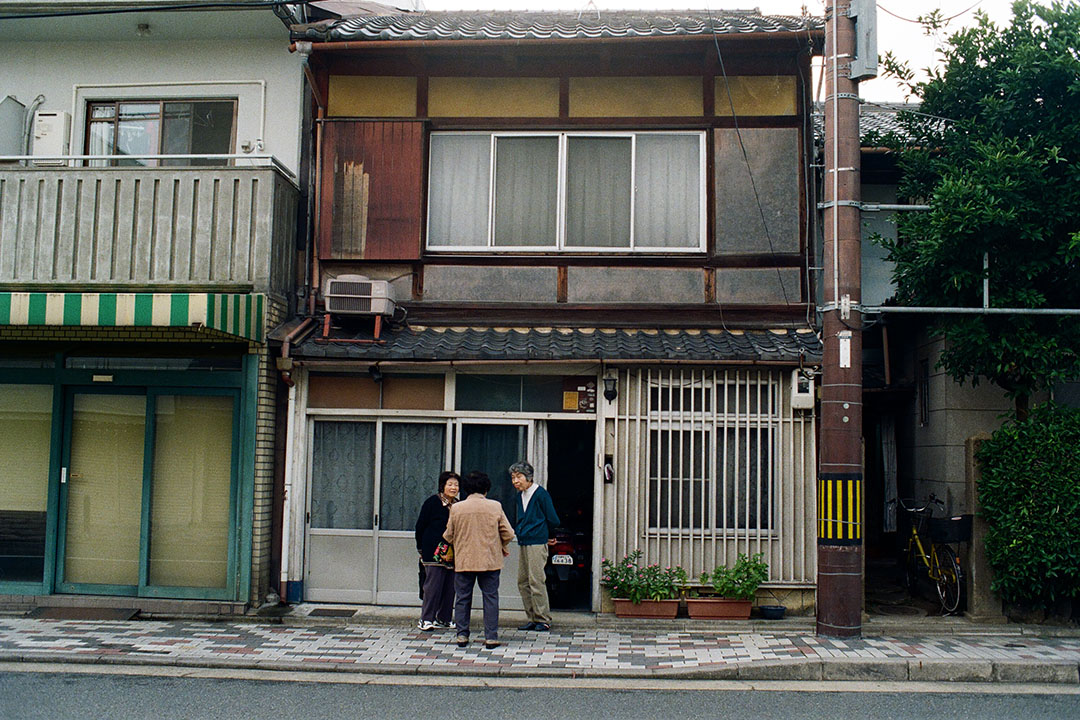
(710, 463)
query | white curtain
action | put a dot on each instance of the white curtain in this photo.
(458, 190)
(598, 192)
(539, 453)
(667, 205)
(526, 191)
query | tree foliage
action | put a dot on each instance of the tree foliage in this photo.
(996, 154)
(1030, 495)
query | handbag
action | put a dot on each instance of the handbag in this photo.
(444, 553)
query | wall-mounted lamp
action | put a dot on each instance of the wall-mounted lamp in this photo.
(375, 372)
(610, 390)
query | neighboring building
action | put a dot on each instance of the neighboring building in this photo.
(137, 396)
(564, 208)
(917, 419)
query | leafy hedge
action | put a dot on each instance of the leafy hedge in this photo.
(1030, 495)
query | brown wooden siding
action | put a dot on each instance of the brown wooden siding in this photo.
(372, 189)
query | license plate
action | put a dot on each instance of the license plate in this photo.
(562, 559)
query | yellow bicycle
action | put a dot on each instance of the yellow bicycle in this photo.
(935, 559)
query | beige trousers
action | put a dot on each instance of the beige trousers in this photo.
(531, 583)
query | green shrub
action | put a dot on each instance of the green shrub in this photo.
(626, 579)
(1030, 495)
(741, 580)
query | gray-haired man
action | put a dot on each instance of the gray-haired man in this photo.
(534, 523)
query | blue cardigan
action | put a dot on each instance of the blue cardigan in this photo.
(535, 525)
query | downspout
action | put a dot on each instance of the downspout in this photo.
(290, 429)
(314, 198)
(28, 119)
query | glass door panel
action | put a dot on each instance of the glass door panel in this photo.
(25, 435)
(412, 456)
(340, 546)
(104, 490)
(493, 449)
(191, 482)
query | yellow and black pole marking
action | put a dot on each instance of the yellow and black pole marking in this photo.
(840, 508)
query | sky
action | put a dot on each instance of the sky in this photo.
(902, 35)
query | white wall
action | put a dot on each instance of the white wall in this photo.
(54, 69)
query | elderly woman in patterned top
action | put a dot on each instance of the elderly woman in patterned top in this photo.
(438, 606)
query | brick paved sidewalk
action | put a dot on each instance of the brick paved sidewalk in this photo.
(577, 653)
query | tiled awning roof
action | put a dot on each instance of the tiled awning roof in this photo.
(515, 344)
(234, 314)
(875, 120)
(474, 25)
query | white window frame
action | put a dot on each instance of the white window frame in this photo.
(559, 246)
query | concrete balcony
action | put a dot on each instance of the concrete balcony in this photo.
(227, 228)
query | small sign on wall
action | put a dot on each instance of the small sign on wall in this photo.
(579, 394)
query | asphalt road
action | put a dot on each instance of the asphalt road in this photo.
(61, 692)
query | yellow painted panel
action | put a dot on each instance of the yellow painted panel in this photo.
(636, 97)
(371, 96)
(25, 434)
(493, 97)
(756, 95)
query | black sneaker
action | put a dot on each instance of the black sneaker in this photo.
(528, 626)
(541, 627)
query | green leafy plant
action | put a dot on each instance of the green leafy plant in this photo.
(626, 579)
(1030, 495)
(991, 150)
(741, 580)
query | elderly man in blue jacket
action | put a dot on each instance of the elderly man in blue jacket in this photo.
(534, 523)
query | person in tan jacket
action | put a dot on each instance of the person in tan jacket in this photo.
(480, 533)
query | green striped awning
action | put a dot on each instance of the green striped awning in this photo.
(235, 314)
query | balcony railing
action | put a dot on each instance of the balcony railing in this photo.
(228, 225)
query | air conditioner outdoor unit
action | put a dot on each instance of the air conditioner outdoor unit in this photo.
(358, 295)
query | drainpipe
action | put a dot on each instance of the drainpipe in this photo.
(28, 119)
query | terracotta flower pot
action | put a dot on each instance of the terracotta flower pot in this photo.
(646, 608)
(718, 608)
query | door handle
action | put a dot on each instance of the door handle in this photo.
(63, 476)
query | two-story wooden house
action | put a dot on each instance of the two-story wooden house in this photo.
(148, 205)
(593, 233)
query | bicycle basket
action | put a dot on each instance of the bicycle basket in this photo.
(950, 530)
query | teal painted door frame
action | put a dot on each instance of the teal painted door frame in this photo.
(242, 386)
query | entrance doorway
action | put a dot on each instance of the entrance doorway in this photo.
(570, 482)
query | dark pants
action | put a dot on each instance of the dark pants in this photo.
(489, 589)
(438, 594)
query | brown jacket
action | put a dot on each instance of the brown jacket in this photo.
(479, 532)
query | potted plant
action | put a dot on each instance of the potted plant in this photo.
(734, 587)
(647, 592)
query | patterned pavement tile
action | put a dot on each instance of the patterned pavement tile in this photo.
(192, 642)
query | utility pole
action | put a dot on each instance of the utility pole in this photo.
(840, 454)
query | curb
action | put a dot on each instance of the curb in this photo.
(827, 670)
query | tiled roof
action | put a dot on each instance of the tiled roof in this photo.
(470, 343)
(475, 25)
(875, 119)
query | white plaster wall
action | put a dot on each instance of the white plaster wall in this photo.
(54, 69)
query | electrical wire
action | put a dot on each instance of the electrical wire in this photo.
(235, 5)
(919, 22)
(746, 157)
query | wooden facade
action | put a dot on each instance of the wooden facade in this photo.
(383, 104)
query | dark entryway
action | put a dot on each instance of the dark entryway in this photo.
(570, 482)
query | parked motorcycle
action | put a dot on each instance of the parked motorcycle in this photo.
(567, 570)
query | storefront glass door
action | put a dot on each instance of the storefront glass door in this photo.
(103, 479)
(146, 495)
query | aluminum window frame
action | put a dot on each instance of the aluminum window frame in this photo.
(559, 244)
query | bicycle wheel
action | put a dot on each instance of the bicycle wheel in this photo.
(948, 578)
(912, 569)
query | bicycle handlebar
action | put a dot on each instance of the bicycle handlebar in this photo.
(909, 503)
